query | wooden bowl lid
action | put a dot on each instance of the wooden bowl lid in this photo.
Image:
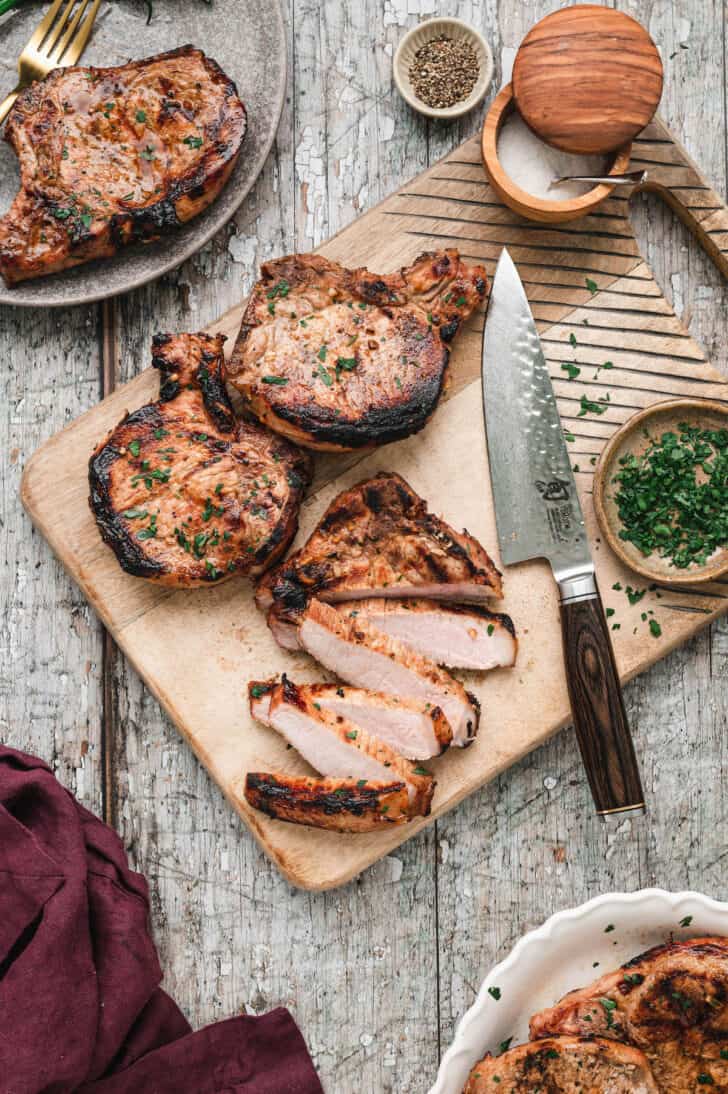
(587, 79)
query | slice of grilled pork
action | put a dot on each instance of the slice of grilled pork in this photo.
(111, 156)
(338, 748)
(671, 1002)
(378, 539)
(342, 805)
(363, 656)
(185, 494)
(461, 637)
(339, 359)
(564, 1065)
(415, 729)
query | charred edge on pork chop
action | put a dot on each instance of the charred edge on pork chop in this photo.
(113, 156)
(564, 1065)
(342, 359)
(379, 539)
(169, 485)
(342, 805)
(671, 1002)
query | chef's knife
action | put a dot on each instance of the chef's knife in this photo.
(538, 515)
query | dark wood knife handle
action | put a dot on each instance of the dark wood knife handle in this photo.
(597, 705)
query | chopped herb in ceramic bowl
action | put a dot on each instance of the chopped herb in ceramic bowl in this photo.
(661, 491)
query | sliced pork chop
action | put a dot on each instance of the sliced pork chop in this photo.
(111, 156)
(339, 359)
(415, 729)
(450, 634)
(182, 492)
(338, 748)
(671, 1002)
(365, 657)
(342, 805)
(564, 1065)
(379, 539)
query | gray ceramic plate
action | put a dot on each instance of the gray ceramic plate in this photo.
(246, 37)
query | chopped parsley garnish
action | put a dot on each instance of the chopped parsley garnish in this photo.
(686, 921)
(609, 1007)
(588, 406)
(672, 498)
(420, 771)
(324, 375)
(281, 381)
(573, 370)
(151, 530)
(193, 142)
(160, 433)
(257, 690)
(569, 436)
(572, 339)
(591, 285)
(460, 302)
(322, 353)
(134, 448)
(212, 570)
(135, 514)
(147, 153)
(345, 364)
(352, 734)
(655, 628)
(141, 116)
(495, 993)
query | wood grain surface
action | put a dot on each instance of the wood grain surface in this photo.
(379, 972)
(587, 78)
(163, 632)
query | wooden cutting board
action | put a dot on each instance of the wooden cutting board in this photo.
(197, 649)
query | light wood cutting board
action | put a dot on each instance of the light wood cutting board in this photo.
(197, 649)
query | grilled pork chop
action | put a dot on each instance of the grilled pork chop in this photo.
(378, 539)
(365, 657)
(450, 634)
(340, 359)
(110, 156)
(182, 492)
(336, 747)
(343, 805)
(415, 729)
(671, 1002)
(564, 1065)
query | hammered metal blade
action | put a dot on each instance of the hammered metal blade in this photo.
(537, 509)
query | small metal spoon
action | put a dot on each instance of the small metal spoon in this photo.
(632, 178)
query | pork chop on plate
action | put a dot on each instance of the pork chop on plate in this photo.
(341, 805)
(564, 1065)
(671, 1003)
(185, 494)
(111, 156)
(341, 359)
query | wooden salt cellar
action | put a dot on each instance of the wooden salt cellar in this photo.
(586, 79)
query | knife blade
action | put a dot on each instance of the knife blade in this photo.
(538, 515)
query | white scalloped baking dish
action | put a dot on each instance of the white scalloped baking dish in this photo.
(571, 949)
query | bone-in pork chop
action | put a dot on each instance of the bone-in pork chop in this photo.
(182, 492)
(110, 156)
(341, 359)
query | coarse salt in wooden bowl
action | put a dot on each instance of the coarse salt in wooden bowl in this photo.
(529, 205)
(631, 439)
(419, 36)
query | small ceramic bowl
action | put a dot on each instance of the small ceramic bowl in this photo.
(420, 36)
(655, 419)
(527, 205)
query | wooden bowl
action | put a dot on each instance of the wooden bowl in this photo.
(656, 419)
(534, 208)
(420, 36)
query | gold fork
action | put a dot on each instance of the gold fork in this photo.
(55, 41)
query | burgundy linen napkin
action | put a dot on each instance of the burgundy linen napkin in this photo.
(80, 1003)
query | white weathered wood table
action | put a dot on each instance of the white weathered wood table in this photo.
(378, 973)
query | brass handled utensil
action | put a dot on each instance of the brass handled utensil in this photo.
(538, 515)
(630, 178)
(59, 39)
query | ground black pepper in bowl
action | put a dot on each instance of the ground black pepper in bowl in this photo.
(444, 72)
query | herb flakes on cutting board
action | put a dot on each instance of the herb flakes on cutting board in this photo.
(672, 499)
